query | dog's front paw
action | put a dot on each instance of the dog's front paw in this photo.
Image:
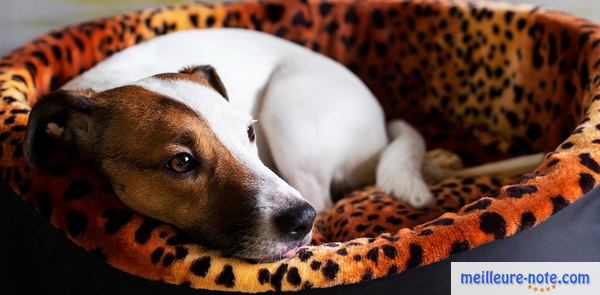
(413, 191)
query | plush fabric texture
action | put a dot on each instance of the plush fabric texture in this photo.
(487, 81)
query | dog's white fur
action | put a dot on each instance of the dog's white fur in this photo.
(318, 124)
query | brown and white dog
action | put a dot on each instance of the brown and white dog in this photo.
(177, 146)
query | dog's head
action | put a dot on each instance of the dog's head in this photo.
(174, 149)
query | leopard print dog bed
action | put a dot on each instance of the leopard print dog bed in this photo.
(487, 81)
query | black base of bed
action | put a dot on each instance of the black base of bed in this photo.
(36, 258)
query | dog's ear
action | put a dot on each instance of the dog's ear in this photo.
(209, 74)
(63, 118)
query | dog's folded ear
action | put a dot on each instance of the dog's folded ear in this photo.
(209, 74)
(61, 119)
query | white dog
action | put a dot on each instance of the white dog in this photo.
(315, 123)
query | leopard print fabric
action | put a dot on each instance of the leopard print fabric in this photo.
(486, 81)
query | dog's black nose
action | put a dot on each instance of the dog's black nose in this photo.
(296, 221)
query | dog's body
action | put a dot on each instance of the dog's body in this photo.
(318, 126)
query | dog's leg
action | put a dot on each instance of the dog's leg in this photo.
(399, 169)
(292, 139)
(296, 163)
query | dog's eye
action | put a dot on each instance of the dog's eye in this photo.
(181, 163)
(251, 135)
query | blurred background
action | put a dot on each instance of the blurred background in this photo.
(22, 20)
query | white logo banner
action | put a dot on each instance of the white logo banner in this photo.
(516, 278)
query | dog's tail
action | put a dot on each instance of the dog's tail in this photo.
(405, 165)
(509, 167)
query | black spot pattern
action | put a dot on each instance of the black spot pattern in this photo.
(142, 234)
(459, 246)
(351, 17)
(293, 276)
(200, 266)
(586, 182)
(389, 251)
(277, 277)
(168, 259)
(304, 254)
(315, 265)
(264, 276)
(274, 12)
(537, 57)
(479, 205)
(441, 222)
(373, 254)
(527, 220)
(180, 253)
(300, 20)
(378, 19)
(157, 254)
(567, 145)
(493, 223)
(512, 118)
(393, 220)
(41, 56)
(518, 190)
(325, 8)
(553, 162)
(426, 232)
(587, 161)
(115, 219)
(194, 19)
(331, 269)
(210, 21)
(416, 255)
(558, 203)
(226, 277)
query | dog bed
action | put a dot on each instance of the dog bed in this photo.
(487, 81)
